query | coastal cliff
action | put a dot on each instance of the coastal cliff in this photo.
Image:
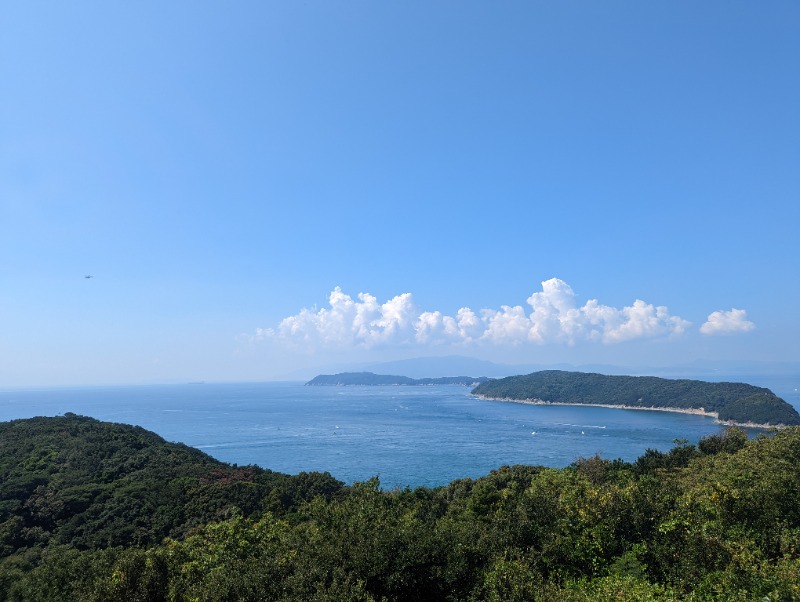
(733, 403)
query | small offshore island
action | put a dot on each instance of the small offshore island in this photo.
(737, 404)
(371, 379)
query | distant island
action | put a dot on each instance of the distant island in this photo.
(730, 403)
(371, 379)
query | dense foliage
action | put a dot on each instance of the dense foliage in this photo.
(716, 521)
(369, 378)
(735, 402)
(77, 481)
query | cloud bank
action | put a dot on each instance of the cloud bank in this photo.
(727, 322)
(550, 316)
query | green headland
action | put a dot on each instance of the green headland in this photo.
(733, 403)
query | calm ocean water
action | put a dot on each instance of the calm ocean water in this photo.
(409, 436)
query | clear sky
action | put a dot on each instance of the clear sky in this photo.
(262, 188)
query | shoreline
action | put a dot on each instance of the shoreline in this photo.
(694, 411)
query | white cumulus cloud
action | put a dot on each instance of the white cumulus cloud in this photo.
(727, 322)
(554, 316)
(346, 321)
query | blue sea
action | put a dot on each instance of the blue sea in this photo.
(408, 436)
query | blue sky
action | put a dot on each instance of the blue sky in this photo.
(521, 182)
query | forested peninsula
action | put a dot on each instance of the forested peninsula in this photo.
(371, 379)
(95, 511)
(733, 403)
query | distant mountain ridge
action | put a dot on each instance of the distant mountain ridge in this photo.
(737, 403)
(372, 379)
(419, 367)
(433, 366)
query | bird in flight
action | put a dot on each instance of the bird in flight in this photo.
(90, 276)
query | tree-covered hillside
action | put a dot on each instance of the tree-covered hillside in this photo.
(716, 521)
(735, 402)
(77, 481)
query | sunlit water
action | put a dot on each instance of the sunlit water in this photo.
(409, 436)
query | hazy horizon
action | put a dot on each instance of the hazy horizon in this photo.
(758, 373)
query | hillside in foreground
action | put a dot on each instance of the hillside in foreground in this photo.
(89, 484)
(731, 402)
(99, 511)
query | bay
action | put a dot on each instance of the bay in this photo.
(408, 436)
